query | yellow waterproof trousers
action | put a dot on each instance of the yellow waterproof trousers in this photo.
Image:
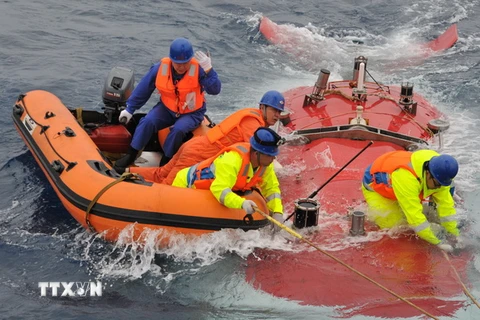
(386, 213)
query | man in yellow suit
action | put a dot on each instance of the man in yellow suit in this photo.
(397, 182)
(239, 167)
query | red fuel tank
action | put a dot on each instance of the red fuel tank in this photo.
(112, 138)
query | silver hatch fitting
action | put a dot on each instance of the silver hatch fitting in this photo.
(318, 89)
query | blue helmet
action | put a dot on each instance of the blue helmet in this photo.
(266, 141)
(443, 168)
(181, 50)
(273, 99)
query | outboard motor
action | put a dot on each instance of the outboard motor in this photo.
(117, 89)
(306, 213)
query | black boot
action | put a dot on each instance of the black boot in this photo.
(164, 161)
(122, 163)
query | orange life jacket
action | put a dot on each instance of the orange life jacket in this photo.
(184, 97)
(382, 168)
(224, 128)
(203, 175)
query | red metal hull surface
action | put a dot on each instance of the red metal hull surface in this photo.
(402, 263)
(414, 270)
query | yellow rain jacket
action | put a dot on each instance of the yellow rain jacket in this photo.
(226, 170)
(408, 189)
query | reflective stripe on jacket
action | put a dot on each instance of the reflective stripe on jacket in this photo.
(407, 185)
(203, 174)
(231, 171)
(186, 95)
(378, 176)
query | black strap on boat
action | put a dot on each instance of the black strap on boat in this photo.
(248, 219)
(123, 177)
(21, 98)
(68, 132)
(211, 124)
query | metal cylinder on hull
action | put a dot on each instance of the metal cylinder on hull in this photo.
(406, 93)
(306, 213)
(358, 222)
(322, 81)
(356, 67)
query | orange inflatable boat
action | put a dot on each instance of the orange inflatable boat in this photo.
(71, 146)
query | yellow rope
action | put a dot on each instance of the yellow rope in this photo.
(341, 93)
(460, 280)
(295, 234)
(79, 113)
(124, 176)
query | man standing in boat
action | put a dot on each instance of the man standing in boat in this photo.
(182, 81)
(397, 182)
(238, 127)
(240, 167)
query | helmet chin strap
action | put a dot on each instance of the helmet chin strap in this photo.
(264, 112)
(257, 160)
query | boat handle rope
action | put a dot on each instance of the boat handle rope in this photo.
(331, 178)
(467, 292)
(123, 177)
(297, 235)
(70, 165)
(248, 219)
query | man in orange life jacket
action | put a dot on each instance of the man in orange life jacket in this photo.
(396, 183)
(238, 127)
(239, 167)
(182, 81)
